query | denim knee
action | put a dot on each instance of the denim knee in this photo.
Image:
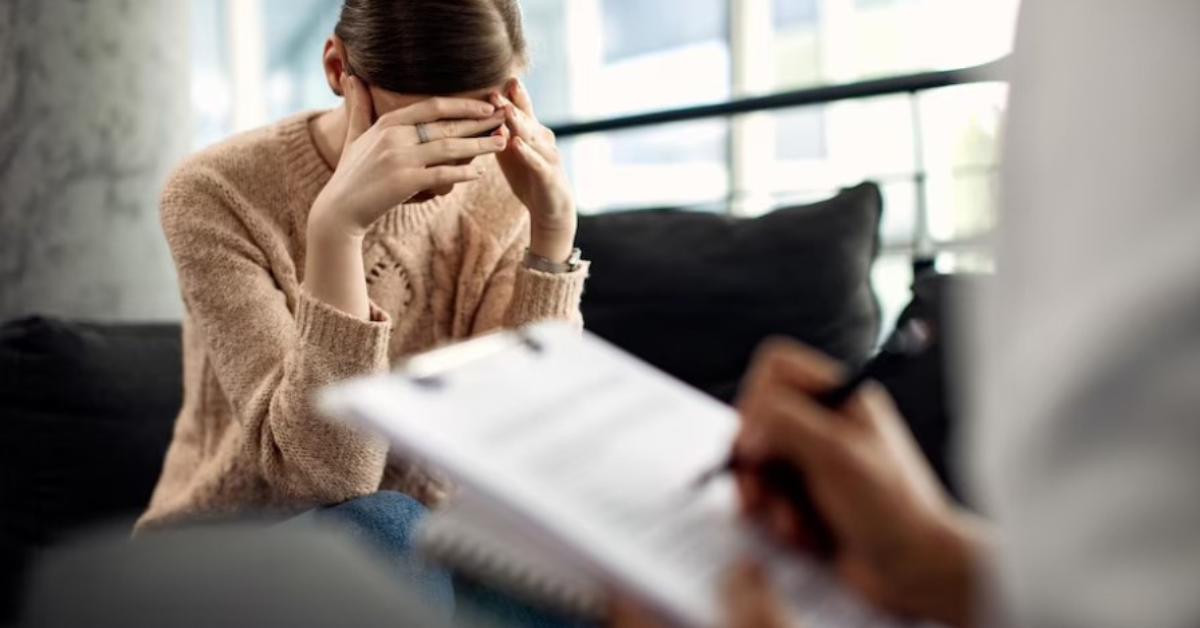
(386, 522)
(387, 518)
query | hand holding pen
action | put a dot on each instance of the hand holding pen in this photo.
(816, 443)
(789, 394)
(811, 435)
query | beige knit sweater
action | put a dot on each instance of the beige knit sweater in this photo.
(256, 346)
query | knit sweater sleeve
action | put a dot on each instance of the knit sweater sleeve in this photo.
(516, 295)
(271, 349)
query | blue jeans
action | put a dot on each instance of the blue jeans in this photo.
(387, 521)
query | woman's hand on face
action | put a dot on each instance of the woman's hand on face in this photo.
(749, 602)
(899, 540)
(533, 168)
(384, 163)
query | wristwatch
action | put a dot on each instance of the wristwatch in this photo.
(537, 262)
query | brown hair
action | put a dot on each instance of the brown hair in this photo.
(432, 46)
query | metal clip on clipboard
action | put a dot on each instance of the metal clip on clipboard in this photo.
(429, 369)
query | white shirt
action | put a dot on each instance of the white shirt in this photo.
(1086, 442)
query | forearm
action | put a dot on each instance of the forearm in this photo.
(553, 243)
(334, 271)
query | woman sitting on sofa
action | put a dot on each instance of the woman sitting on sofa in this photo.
(431, 207)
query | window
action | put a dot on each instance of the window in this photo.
(934, 153)
(294, 38)
(632, 56)
(682, 164)
(212, 98)
(636, 28)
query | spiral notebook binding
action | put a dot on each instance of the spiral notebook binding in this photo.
(465, 548)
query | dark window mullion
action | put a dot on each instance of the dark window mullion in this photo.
(732, 130)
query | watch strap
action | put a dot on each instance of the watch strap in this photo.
(542, 264)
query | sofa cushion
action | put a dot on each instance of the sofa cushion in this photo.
(88, 412)
(694, 293)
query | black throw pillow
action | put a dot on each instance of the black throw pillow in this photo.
(694, 293)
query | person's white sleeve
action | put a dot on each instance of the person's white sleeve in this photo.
(1086, 444)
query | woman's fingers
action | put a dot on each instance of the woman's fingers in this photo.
(454, 149)
(442, 176)
(521, 123)
(539, 138)
(524, 125)
(520, 97)
(533, 158)
(463, 127)
(359, 107)
(436, 109)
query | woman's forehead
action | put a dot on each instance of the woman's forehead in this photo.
(386, 101)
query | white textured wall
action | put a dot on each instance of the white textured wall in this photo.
(93, 113)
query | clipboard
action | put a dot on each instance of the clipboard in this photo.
(569, 443)
(428, 369)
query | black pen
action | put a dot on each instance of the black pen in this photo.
(906, 343)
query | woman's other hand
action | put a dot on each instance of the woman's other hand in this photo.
(900, 541)
(533, 168)
(384, 163)
(749, 602)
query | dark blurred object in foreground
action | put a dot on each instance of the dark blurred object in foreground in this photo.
(231, 576)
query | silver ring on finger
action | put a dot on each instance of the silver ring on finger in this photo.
(422, 133)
